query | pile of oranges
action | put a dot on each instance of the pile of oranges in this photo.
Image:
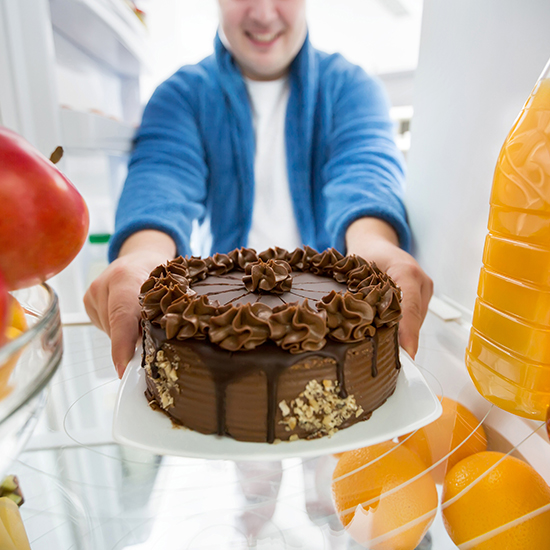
(386, 496)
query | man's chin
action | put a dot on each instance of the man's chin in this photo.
(265, 71)
(273, 74)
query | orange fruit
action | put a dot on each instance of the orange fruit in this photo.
(457, 430)
(16, 315)
(16, 325)
(508, 492)
(378, 480)
(7, 368)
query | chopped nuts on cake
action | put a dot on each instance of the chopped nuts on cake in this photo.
(318, 410)
(166, 378)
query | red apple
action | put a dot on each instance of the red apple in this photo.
(43, 218)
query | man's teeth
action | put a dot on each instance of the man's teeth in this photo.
(264, 37)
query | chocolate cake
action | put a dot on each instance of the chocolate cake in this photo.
(272, 346)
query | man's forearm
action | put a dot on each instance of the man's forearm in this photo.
(149, 240)
(364, 228)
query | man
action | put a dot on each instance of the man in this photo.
(277, 144)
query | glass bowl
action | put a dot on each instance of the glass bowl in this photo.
(32, 358)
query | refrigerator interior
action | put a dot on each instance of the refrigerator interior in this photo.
(85, 491)
(71, 77)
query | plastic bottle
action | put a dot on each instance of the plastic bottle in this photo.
(508, 354)
(98, 244)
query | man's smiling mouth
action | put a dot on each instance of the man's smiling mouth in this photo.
(264, 37)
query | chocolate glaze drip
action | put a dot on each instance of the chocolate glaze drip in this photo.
(220, 407)
(272, 383)
(342, 392)
(143, 346)
(396, 345)
(374, 367)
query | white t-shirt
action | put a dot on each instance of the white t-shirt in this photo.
(273, 220)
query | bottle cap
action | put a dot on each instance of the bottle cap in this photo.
(99, 238)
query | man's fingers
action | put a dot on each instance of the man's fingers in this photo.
(95, 300)
(92, 313)
(102, 309)
(409, 329)
(426, 292)
(124, 316)
(414, 308)
(124, 337)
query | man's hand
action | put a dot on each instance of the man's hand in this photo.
(112, 299)
(375, 240)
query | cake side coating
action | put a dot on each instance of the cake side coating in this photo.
(272, 346)
(229, 395)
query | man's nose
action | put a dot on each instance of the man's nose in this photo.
(264, 12)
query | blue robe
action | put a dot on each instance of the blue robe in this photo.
(194, 154)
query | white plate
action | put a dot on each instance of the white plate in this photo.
(412, 405)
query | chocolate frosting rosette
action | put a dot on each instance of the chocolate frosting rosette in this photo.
(295, 299)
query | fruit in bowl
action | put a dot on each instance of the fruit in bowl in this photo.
(27, 364)
(4, 308)
(44, 225)
(15, 325)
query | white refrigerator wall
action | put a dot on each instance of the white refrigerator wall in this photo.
(478, 63)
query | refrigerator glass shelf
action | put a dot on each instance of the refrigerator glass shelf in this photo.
(92, 131)
(84, 490)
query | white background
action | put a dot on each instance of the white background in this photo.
(380, 35)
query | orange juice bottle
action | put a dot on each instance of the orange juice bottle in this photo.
(508, 354)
